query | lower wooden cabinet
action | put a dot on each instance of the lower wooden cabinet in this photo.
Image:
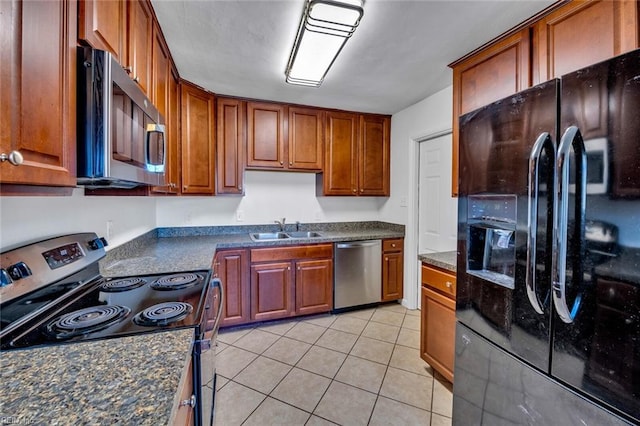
(438, 321)
(314, 286)
(392, 269)
(232, 267)
(272, 291)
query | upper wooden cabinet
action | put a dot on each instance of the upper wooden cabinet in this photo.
(230, 142)
(563, 39)
(283, 137)
(265, 135)
(306, 138)
(583, 33)
(139, 41)
(38, 92)
(102, 23)
(357, 150)
(197, 141)
(493, 73)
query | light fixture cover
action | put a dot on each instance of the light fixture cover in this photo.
(325, 27)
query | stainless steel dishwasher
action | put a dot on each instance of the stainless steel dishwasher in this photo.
(357, 273)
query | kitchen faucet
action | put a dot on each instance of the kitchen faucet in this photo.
(281, 223)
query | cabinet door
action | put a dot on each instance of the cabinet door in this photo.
(392, 276)
(172, 168)
(579, 34)
(101, 23)
(139, 36)
(230, 145)
(437, 340)
(314, 286)
(272, 291)
(373, 155)
(38, 91)
(232, 267)
(306, 138)
(491, 74)
(340, 175)
(197, 142)
(265, 135)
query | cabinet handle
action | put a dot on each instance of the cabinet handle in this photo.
(14, 158)
(298, 268)
(288, 268)
(191, 402)
(448, 284)
(136, 79)
(184, 188)
(240, 187)
(386, 259)
(393, 245)
(361, 191)
(282, 162)
(128, 69)
(354, 190)
(290, 163)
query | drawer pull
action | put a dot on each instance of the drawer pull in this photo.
(191, 402)
(448, 284)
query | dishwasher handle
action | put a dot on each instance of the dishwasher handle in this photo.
(355, 244)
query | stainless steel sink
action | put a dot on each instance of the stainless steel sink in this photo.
(304, 234)
(269, 236)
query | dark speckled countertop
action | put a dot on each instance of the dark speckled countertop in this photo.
(130, 380)
(444, 259)
(134, 380)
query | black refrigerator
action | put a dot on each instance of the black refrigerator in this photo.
(548, 268)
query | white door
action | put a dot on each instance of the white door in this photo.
(437, 210)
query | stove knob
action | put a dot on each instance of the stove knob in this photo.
(5, 279)
(19, 270)
(98, 243)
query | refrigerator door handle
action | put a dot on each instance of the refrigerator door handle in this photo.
(571, 138)
(544, 140)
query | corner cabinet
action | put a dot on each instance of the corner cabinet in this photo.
(438, 319)
(38, 93)
(197, 140)
(392, 269)
(232, 267)
(102, 25)
(230, 143)
(357, 155)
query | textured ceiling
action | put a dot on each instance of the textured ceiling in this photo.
(397, 56)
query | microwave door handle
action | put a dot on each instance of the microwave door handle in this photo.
(160, 129)
(543, 141)
(571, 138)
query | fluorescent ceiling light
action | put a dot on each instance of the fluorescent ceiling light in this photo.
(325, 27)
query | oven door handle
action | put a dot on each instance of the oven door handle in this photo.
(212, 325)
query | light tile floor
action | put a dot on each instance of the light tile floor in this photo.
(356, 368)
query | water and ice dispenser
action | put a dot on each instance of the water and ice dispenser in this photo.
(491, 248)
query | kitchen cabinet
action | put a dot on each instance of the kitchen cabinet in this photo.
(293, 280)
(232, 267)
(491, 74)
(139, 40)
(38, 94)
(197, 140)
(284, 137)
(172, 176)
(438, 319)
(392, 269)
(357, 154)
(102, 24)
(306, 138)
(582, 33)
(230, 127)
(182, 413)
(563, 38)
(265, 135)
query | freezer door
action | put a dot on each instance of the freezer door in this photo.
(596, 343)
(494, 388)
(494, 205)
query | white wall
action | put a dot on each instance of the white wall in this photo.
(429, 116)
(268, 196)
(24, 219)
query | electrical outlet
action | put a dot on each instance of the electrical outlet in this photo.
(240, 216)
(403, 201)
(188, 218)
(109, 230)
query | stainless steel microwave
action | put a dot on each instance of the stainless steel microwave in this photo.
(121, 134)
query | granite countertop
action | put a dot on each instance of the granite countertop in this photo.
(129, 380)
(166, 250)
(444, 259)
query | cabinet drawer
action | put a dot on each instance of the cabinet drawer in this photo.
(292, 252)
(439, 280)
(396, 244)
